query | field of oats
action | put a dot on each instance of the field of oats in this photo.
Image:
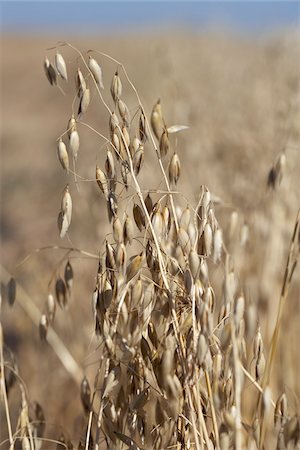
(197, 336)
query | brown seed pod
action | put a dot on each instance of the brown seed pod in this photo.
(276, 172)
(139, 217)
(185, 218)
(85, 395)
(126, 136)
(116, 144)
(157, 122)
(124, 112)
(102, 181)
(69, 275)
(43, 327)
(50, 308)
(149, 203)
(258, 345)
(158, 224)
(194, 262)
(217, 245)
(66, 205)
(11, 291)
(110, 165)
(61, 293)
(142, 128)
(137, 293)
(62, 224)
(136, 144)
(280, 411)
(134, 266)
(74, 144)
(260, 365)
(202, 349)
(167, 219)
(128, 231)
(120, 256)
(184, 241)
(174, 169)
(117, 230)
(61, 66)
(137, 160)
(71, 125)
(125, 173)
(106, 293)
(63, 155)
(164, 144)
(96, 71)
(112, 205)
(207, 240)
(84, 102)
(110, 257)
(113, 122)
(80, 83)
(116, 87)
(50, 72)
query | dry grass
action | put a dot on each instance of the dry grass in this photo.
(190, 292)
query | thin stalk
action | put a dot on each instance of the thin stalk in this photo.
(53, 339)
(4, 392)
(213, 411)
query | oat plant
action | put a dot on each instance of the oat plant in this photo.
(182, 362)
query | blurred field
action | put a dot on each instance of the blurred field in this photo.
(241, 101)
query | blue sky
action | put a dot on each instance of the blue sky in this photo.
(100, 16)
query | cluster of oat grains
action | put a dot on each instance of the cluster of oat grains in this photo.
(183, 363)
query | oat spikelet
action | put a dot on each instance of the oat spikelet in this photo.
(194, 262)
(11, 291)
(137, 160)
(63, 155)
(139, 217)
(51, 307)
(43, 328)
(117, 230)
(276, 172)
(124, 112)
(69, 276)
(217, 245)
(96, 71)
(71, 125)
(84, 102)
(128, 230)
(113, 122)
(116, 87)
(208, 238)
(134, 266)
(110, 165)
(50, 72)
(61, 293)
(61, 66)
(79, 83)
(157, 121)
(74, 144)
(85, 395)
(142, 128)
(102, 181)
(164, 144)
(174, 169)
(65, 215)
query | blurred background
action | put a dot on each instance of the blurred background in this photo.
(227, 70)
